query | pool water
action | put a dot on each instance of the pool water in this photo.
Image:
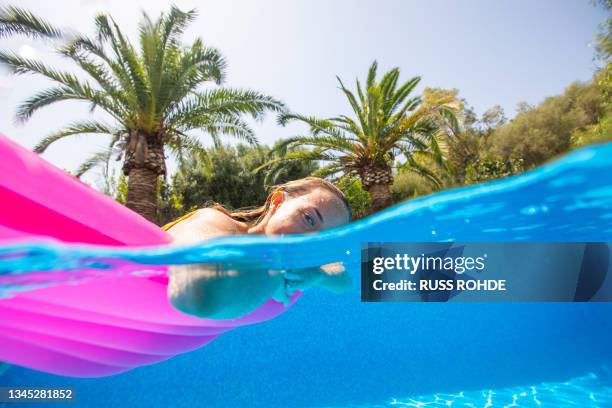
(585, 391)
(333, 350)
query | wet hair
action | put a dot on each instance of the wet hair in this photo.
(293, 188)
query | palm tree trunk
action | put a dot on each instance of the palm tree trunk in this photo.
(142, 193)
(144, 163)
(380, 195)
(376, 180)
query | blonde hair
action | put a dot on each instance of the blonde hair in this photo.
(293, 188)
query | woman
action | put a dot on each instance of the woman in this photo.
(301, 206)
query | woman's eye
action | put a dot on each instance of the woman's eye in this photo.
(309, 220)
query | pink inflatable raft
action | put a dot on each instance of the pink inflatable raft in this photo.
(102, 326)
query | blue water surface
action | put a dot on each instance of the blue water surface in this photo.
(333, 350)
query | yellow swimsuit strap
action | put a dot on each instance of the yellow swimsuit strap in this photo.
(173, 223)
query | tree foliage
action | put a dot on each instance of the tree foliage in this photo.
(224, 174)
(359, 200)
(540, 133)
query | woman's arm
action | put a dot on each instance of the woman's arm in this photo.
(209, 291)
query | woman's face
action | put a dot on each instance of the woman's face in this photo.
(316, 210)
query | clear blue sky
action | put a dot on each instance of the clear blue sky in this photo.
(494, 52)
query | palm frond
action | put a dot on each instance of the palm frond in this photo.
(102, 73)
(389, 82)
(72, 87)
(100, 158)
(41, 99)
(77, 128)
(173, 25)
(94, 50)
(329, 171)
(332, 143)
(17, 21)
(353, 102)
(183, 145)
(414, 166)
(318, 126)
(229, 125)
(299, 155)
(398, 98)
(371, 75)
(224, 102)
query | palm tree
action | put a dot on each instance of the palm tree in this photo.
(152, 96)
(387, 123)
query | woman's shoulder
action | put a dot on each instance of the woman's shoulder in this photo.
(218, 220)
(204, 224)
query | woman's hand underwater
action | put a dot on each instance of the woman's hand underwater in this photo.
(332, 277)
